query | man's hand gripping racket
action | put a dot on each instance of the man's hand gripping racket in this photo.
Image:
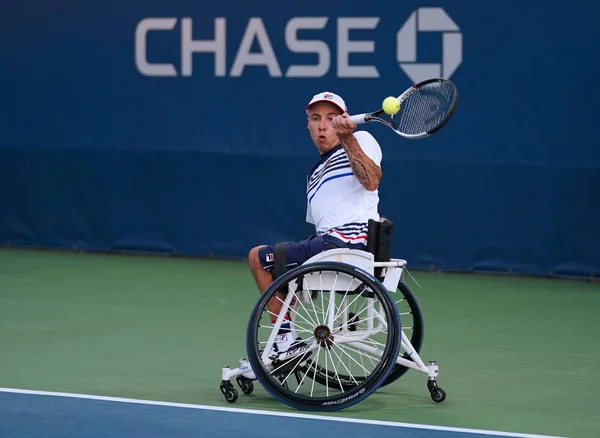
(424, 109)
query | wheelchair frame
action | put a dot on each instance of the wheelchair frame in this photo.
(392, 274)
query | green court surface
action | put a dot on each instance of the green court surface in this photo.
(515, 354)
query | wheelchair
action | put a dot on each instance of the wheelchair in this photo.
(358, 327)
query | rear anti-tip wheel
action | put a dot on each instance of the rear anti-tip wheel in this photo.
(438, 395)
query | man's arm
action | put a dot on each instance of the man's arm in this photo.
(365, 169)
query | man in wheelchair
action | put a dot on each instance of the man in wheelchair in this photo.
(334, 300)
(342, 198)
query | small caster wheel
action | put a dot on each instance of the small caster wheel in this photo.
(245, 384)
(438, 395)
(231, 395)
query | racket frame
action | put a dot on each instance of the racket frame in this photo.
(376, 116)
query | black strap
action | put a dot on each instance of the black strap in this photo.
(379, 241)
(280, 267)
(372, 236)
(384, 241)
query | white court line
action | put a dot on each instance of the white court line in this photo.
(272, 413)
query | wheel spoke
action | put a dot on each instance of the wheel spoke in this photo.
(345, 367)
(328, 351)
(359, 352)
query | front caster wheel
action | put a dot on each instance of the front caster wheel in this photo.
(231, 395)
(245, 384)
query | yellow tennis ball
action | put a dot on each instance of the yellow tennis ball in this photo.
(391, 105)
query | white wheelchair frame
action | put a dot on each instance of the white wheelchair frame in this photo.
(392, 273)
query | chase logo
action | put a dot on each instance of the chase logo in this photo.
(429, 20)
(256, 48)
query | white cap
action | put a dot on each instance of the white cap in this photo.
(329, 97)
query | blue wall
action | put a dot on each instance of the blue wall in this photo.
(98, 155)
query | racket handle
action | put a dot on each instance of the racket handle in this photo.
(358, 119)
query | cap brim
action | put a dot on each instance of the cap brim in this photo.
(329, 101)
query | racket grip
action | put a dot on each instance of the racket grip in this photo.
(358, 119)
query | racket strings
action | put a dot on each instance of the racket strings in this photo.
(425, 109)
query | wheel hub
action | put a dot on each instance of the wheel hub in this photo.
(323, 336)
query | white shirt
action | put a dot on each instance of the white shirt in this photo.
(337, 203)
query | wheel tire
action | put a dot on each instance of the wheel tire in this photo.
(438, 395)
(245, 384)
(231, 395)
(349, 396)
(247, 388)
(416, 339)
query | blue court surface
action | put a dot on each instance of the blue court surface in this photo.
(25, 413)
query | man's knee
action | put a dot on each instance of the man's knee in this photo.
(253, 258)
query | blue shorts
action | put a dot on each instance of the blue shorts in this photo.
(296, 253)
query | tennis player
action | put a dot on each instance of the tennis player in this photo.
(341, 196)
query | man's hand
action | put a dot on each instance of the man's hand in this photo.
(344, 126)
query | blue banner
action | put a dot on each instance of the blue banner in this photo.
(180, 127)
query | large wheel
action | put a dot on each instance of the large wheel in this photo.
(348, 329)
(412, 325)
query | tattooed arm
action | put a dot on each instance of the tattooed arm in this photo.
(365, 169)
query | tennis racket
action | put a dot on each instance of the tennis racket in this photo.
(424, 109)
